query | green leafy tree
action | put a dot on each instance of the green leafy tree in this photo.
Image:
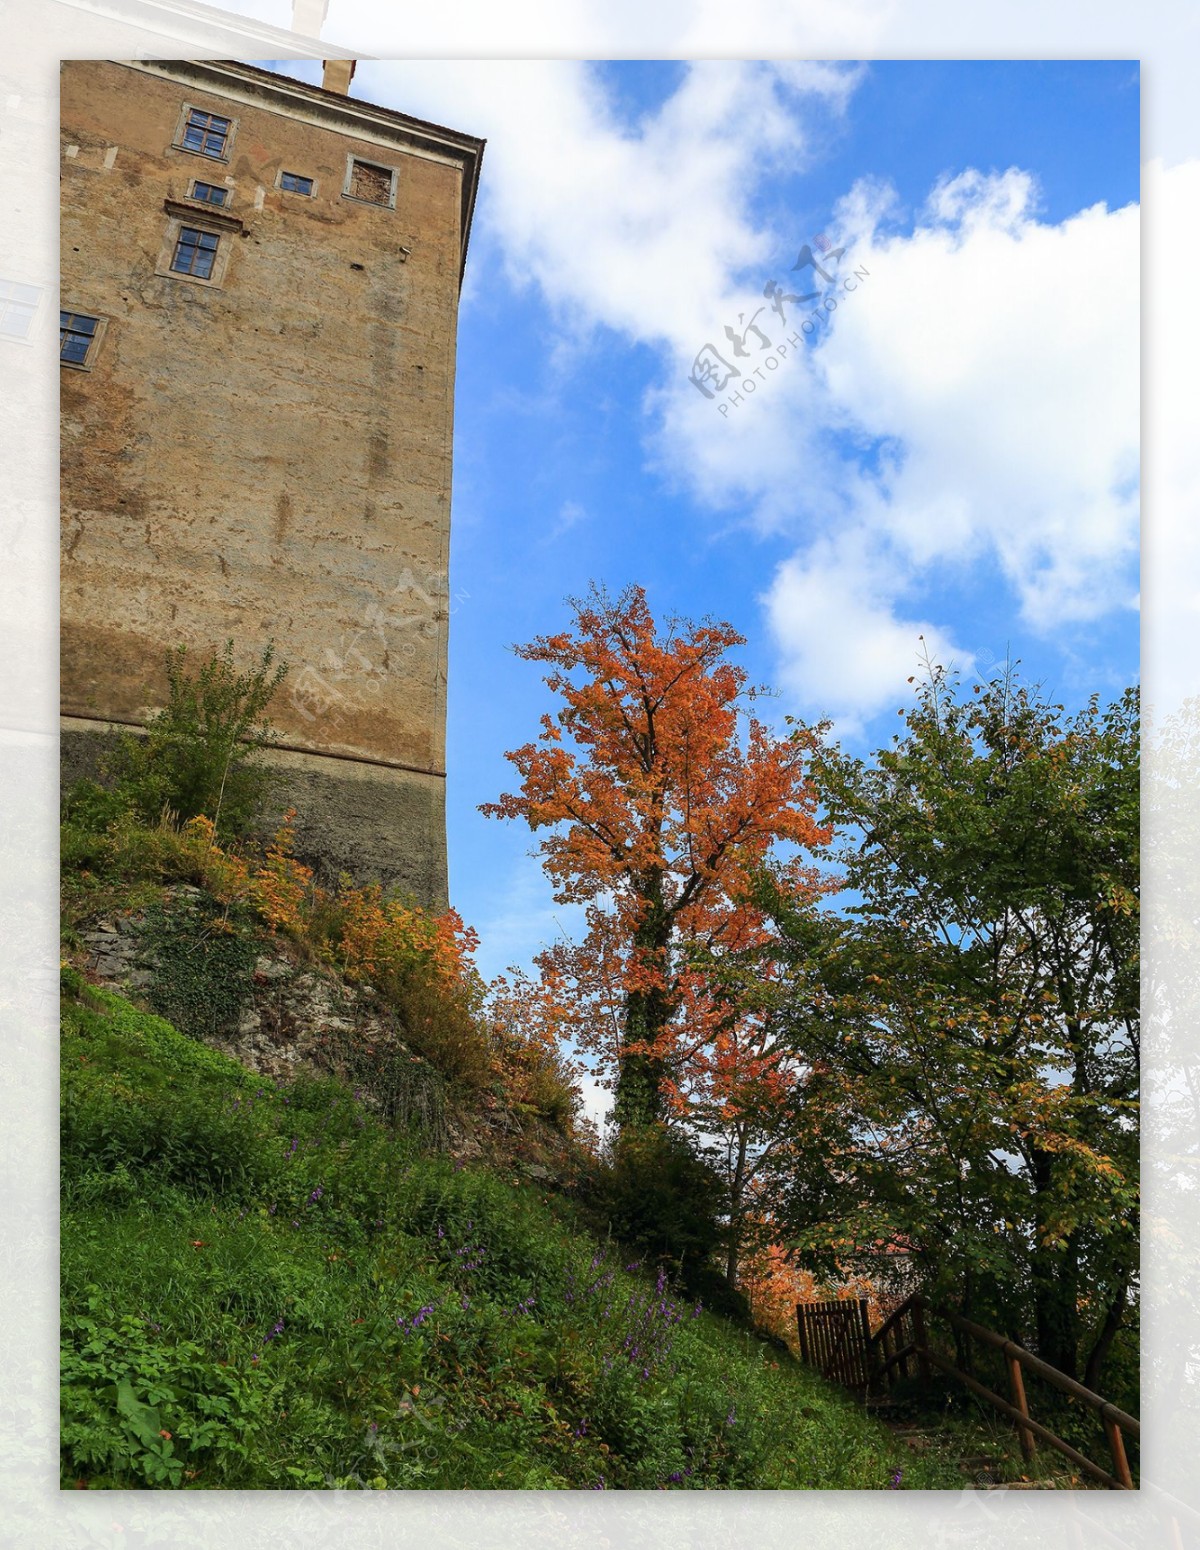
(970, 1025)
(198, 754)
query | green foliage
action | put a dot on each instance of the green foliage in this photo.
(198, 753)
(201, 965)
(971, 1024)
(660, 1198)
(344, 1312)
(441, 1022)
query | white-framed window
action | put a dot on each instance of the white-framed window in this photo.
(204, 133)
(196, 245)
(19, 305)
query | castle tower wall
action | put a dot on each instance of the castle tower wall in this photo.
(260, 285)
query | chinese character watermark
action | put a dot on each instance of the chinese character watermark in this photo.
(713, 372)
(390, 632)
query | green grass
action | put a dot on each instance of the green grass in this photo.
(301, 1300)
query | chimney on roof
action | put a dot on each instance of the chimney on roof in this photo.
(338, 75)
(309, 16)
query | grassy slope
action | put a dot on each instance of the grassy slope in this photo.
(298, 1300)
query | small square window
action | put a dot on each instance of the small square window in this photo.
(210, 193)
(206, 133)
(18, 307)
(370, 182)
(195, 253)
(76, 335)
(293, 183)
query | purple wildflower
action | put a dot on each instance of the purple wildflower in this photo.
(316, 1195)
(732, 1416)
(894, 1482)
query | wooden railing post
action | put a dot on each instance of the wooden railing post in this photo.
(800, 1322)
(1116, 1444)
(864, 1361)
(1017, 1385)
(919, 1340)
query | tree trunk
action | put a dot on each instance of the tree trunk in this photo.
(638, 1100)
(736, 1187)
(1113, 1320)
(1055, 1276)
(647, 1012)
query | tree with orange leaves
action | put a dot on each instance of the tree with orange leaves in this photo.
(665, 798)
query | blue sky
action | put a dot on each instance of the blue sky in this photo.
(953, 453)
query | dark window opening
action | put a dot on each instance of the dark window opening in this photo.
(207, 133)
(374, 184)
(18, 306)
(210, 193)
(293, 183)
(75, 335)
(195, 253)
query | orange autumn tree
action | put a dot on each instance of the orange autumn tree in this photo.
(664, 798)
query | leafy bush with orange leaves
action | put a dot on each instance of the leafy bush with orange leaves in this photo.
(419, 963)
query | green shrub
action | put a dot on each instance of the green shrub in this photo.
(438, 1019)
(198, 753)
(182, 1138)
(661, 1198)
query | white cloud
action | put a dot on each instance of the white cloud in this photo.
(999, 357)
(635, 228)
(843, 647)
(974, 404)
(597, 1101)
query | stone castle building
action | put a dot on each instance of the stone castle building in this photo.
(259, 297)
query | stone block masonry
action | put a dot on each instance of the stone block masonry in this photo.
(260, 286)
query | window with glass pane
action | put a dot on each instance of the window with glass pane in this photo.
(210, 193)
(75, 335)
(18, 304)
(195, 253)
(295, 184)
(207, 133)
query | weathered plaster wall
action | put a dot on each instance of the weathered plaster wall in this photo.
(267, 457)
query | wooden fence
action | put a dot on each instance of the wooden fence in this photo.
(841, 1345)
(835, 1338)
